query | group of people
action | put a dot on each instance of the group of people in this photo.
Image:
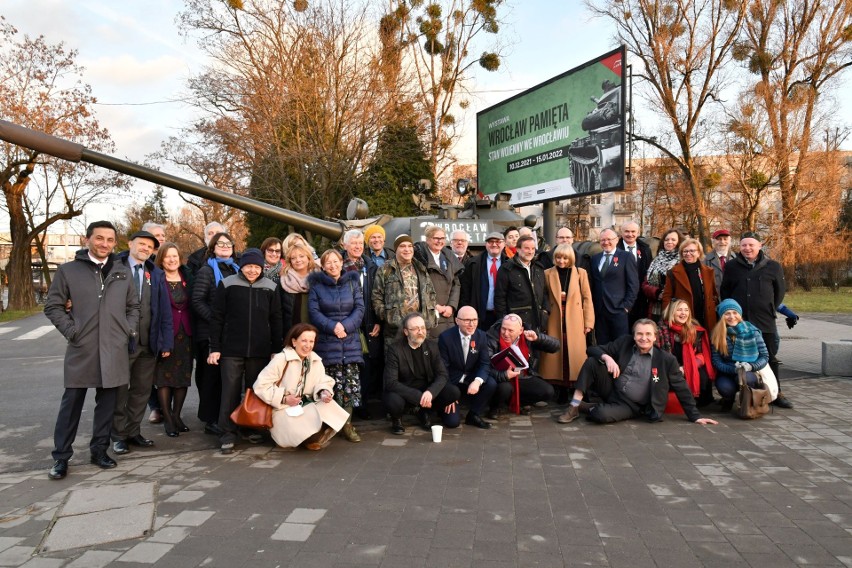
(422, 326)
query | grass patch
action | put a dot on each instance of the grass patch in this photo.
(12, 315)
(820, 300)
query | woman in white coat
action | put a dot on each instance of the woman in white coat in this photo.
(303, 409)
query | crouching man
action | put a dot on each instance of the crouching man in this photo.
(632, 379)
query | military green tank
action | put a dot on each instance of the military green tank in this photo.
(478, 216)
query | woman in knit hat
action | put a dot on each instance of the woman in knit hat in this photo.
(736, 344)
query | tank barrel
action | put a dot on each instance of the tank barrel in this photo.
(73, 152)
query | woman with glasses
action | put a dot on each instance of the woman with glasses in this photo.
(336, 308)
(273, 266)
(694, 282)
(219, 264)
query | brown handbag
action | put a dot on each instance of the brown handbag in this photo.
(752, 402)
(253, 412)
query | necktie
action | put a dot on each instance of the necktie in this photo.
(465, 345)
(137, 279)
(722, 261)
(606, 262)
(630, 250)
(493, 271)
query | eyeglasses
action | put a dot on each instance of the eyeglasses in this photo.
(417, 328)
(224, 245)
(439, 238)
(274, 251)
(468, 320)
(690, 251)
(459, 240)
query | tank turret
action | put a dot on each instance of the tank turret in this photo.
(596, 161)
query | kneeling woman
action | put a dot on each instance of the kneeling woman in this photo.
(303, 409)
(682, 336)
(737, 344)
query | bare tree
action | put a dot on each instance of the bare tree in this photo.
(439, 38)
(682, 48)
(41, 88)
(796, 51)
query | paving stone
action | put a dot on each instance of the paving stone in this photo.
(16, 555)
(95, 559)
(7, 542)
(306, 515)
(191, 518)
(293, 531)
(100, 527)
(146, 553)
(108, 497)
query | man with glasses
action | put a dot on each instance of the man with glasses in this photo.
(459, 241)
(615, 285)
(464, 351)
(479, 279)
(720, 255)
(444, 269)
(415, 375)
(564, 236)
(641, 253)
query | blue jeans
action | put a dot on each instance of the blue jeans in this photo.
(729, 385)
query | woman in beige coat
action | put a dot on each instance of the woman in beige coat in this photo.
(572, 316)
(303, 410)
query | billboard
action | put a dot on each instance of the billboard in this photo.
(560, 138)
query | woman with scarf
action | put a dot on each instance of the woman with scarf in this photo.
(737, 344)
(694, 282)
(219, 263)
(336, 308)
(295, 385)
(682, 336)
(655, 278)
(273, 266)
(294, 285)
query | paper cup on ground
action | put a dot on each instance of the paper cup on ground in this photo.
(437, 433)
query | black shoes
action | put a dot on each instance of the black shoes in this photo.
(493, 414)
(213, 429)
(171, 430)
(475, 420)
(397, 427)
(103, 461)
(120, 447)
(782, 402)
(59, 470)
(181, 427)
(139, 440)
(726, 404)
(423, 418)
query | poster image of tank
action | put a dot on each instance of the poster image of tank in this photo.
(596, 159)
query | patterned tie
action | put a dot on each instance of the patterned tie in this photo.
(137, 279)
(722, 261)
(493, 271)
(606, 263)
(630, 250)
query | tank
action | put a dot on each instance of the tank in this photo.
(596, 159)
(478, 216)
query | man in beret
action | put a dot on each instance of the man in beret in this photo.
(757, 284)
(721, 254)
(403, 287)
(154, 337)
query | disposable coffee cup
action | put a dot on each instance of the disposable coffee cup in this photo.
(437, 433)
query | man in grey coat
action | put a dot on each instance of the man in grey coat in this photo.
(100, 328)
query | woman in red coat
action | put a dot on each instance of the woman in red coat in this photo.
(690, 280)
(684, 338)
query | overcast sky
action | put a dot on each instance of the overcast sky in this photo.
(138, 64)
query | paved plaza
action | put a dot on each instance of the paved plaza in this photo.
(529, 492)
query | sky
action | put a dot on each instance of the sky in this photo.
(138, 63)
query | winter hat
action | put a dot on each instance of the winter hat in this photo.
(372, 230)
(251, 256)
(729, 304)
(402, 239)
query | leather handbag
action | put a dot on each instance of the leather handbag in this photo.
(752, 402)
(254, 412)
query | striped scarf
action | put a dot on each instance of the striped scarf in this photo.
(744, 337)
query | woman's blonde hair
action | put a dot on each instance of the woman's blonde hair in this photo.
(690, 241)
(567, 251)
(312, 265)
(688, 333)
(719, 337)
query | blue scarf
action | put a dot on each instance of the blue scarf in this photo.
(744, 336)
(217, 272)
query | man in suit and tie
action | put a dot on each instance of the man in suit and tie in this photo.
(641, 253)
(415, 375)
(155, 336)
(615, 285)
(720, 256)
(632, 379)
(479, 280)
(464, 351)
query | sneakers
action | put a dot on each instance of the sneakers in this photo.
(570, 415)
(227, 448)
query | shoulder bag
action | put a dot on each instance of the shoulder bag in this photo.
(752, 402)
(254, 412)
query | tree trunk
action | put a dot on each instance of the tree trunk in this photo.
(19, 268)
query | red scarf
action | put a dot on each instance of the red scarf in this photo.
(515, 402)
(690, 359)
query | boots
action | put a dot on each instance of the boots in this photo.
(348, 430)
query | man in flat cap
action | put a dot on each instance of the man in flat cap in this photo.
(154, 337)
(757, 284)
(479, 280)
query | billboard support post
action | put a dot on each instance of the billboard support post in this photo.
(548, 213)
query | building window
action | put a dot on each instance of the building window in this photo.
(596, 222)
(595, 200)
